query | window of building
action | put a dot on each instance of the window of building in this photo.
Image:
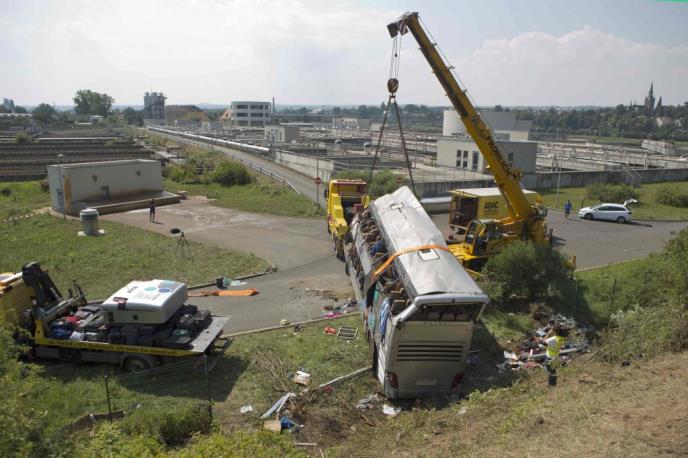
(241, 115)
(458, 163)
(465, 164)
(474, 165)
(458, 154)
(256, 107)
(465, 154)
(510, 159)
(242, 107)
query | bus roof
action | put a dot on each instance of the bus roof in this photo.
(405, 224)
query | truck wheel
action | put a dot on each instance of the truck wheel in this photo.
(137, 364)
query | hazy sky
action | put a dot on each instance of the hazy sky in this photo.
(528, 52)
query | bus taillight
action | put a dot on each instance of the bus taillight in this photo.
(392, 379)
(458, 378)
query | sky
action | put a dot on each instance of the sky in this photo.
(314, 52)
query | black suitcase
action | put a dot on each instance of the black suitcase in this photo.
(186, 321)
(189, 309)
(201, 319)
(178, 342)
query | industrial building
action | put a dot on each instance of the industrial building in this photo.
(107, 186)
(154, 108)
(503, 123)
(185, 116)
(283, 133)
(351, 123)
(247, 113)
(463, 153)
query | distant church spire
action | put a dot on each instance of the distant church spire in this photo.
(650, 101)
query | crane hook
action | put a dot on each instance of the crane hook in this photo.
(392, 85)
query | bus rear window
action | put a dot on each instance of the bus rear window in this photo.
(447, 312)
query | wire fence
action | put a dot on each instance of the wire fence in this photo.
(173, 386)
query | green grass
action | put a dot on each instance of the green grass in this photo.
(259, 197)
(24, 197)
(105, 264)
(646, 208)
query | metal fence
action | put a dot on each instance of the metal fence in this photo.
(83, 399)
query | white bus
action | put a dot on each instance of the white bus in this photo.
(419, 304)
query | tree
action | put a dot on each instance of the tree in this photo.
(132, 116)
(44, 113)
(87, 102)
(19, 109)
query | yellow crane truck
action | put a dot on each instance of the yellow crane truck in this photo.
(479, 203)
(342, 198)
(525, 221)
(141, 326)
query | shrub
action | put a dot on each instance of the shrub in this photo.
(525, 269)
(671, 196)
(261, 444)
(109, 440)
(173, 425)
(23, 137)
(610, 192)
(230, 174)
(383, 182)
(6, 192)
(182, 173)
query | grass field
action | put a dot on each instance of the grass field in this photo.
(646, 208)
(22, 198)
(105, 264)
(262, 196)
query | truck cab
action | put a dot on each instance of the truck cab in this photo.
(342, 198)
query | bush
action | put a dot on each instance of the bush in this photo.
(173, 425)
(109, 440)
(612, 193)
(6, 192)
(525, 269)
(23, 137)
(182, 173)
(230, 174)
(671, 196)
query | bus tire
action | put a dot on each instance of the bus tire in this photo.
(137, 364)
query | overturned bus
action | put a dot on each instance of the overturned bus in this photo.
(419, 304)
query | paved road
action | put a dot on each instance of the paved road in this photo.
(598, 243)
(300, 248)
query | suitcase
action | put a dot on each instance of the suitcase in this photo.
(189, 309)
(201, 319)
(186, 321)
(178, 342)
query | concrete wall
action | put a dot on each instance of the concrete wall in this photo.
(281, 134)
(442, 188)
(578, 178)
(309, 166)
(86, 181)
(499, 121)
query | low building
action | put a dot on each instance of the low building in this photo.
(107, 186)
(463, 153)
(503, 123)
(247, 113)
(281, 133)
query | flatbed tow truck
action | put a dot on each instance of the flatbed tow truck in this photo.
(143, 325)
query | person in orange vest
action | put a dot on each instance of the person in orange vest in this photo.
(553, 342)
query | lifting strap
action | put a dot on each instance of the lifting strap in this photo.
(226, 292)
(380, 270)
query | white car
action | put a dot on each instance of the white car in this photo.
(607, 212)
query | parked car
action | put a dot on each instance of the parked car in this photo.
(607, 212)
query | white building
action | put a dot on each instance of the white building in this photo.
(281, 133)
(503, 123)
(463, 153)
(247, 113)
(131, 182)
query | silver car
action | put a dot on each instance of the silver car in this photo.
(607, 212)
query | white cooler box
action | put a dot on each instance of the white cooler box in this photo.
(145, 302)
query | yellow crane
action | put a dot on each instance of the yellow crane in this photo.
(484, 237)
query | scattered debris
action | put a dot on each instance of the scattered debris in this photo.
(246, 409)
(324, 293)
(330, 330)
(347, 333)
(367, 403)
(462, 410)
(273, 425)
(344, 377)
(226, 292)
(298, 328)
(390, 411)
(333, 314)
(277, 406)
(305, 444)
(284, 322)
(287, 424)
(301, 378)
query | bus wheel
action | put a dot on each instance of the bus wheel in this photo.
(137, 364)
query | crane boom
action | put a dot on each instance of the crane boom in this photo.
(507, 179)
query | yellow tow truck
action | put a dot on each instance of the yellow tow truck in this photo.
(141, 326)
(342, 197)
